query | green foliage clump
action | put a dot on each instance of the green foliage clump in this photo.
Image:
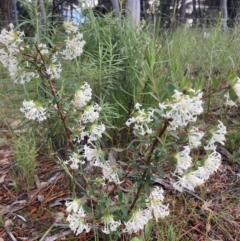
(233, 145)
(25, 153)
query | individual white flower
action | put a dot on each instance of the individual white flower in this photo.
(155, 205)
(70, 27)
(229, 102)
(109, 172)
(33, 111)
(54, 70)
(74, 47)
(182, 110)
(189, 181)
(138, 220)
(109, 224)
(194, 137)
(212, 163)
(82, 96)
(93, 155)
(184, 160)
(236, 87)
(217, 136)
(77, 223)
(91, 113)
(75, 161)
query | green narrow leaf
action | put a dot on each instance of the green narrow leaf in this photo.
(215, 82)
(170, 89)
(183, 82)
(120, 195)
(118, 149)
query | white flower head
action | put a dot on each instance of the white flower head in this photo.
(74, 47)
(109, 224)
(91, 113)
(70, 27)
(189, 181)
(138, 220)
(141, 120)
(182, 109)
(154, 203)
(212, 163)
(82, 96)
(11, 38)
(93, 155)
(236, 87)
(94, 133)
(77, 223)
(32, 111)
(75, 161)
(217, 136)
(22, 77)
(54, 70)
(194, 137)
(75, 206)
(109, 172)
(184, 160)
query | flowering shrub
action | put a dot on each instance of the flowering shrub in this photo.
(165, 138)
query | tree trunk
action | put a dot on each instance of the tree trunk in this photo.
(15, 14)
(224, 13)
(133, 11)
(183, 11)
(115, 6)
(194, 12)
(6, 7)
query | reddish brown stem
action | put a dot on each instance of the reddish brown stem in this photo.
(53, 91)
(155, 142)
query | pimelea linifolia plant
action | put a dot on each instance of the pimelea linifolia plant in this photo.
(165, 140)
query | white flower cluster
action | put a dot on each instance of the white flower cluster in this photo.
(54, 69)
(91, 113)
(141, 121)
(33, 111)
(194, 137)
(183, 109)
(11, 40)
(184, 160)
(82, 96)
(76, 217)
(217, 136)
(70, 27)
(75, 161)
(74, 43)
(155, 204)
(155, 209)
(191, 179)
(138, 220)
(109, 224)
(199, 176)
